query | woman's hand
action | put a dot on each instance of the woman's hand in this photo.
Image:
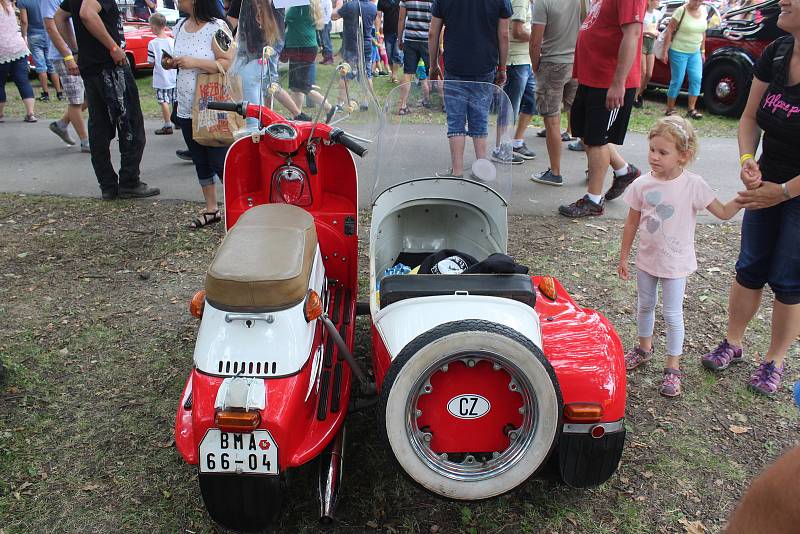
(622, 269)
(751, 174)
(183, 62)
(766, 195)
(434, 73)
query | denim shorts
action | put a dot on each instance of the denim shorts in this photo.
(38, 45)
(770, 250)
(521, 89)
(467, 105)
(392, 50)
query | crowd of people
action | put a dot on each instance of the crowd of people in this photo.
(591, 59)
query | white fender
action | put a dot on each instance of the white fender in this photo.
(401, 322)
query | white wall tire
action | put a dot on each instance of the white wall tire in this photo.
(472, 477)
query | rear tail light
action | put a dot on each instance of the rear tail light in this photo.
(237, 420)
(197, 303)
(583, 412)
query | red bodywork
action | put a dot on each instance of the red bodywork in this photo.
(292, 420)
(137, 37)
(581, 345)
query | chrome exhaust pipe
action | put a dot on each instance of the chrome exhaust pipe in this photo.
(330, 477)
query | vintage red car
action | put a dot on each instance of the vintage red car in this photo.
(733, 45)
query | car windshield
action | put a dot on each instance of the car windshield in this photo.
(425, 121)
(276, 64)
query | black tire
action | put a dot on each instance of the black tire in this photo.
(534, 457)
(726, 86)
(242, 503)
(131, 62)
(585, 462)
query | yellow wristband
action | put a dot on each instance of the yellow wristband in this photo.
(69, 58)
(745, 157)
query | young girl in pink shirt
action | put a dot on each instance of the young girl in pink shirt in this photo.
(663, 209)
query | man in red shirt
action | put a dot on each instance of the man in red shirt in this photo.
(607, 66)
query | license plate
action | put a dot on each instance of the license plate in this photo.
(230, 452)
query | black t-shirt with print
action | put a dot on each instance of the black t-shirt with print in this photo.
(778, 114)
(93, 57)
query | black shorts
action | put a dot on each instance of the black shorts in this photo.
(413, 51)
(596, 125)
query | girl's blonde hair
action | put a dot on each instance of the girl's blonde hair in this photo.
(679, 131)
(315, 8)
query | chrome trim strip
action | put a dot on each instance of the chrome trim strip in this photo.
(586, 428)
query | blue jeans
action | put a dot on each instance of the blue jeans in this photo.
(17, 70)
(521, 89)
(39, 45)
(467, 105)
(770, 250)
(680, 64)
(392, 50)
(209, 161)
(325, 40)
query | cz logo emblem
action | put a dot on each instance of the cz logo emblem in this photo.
(468, 406)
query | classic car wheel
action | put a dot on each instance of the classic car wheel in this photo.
(471, 409)
(725, 89)
(131, 62)
(242, 503)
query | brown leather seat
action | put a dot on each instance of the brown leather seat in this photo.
(265, 260)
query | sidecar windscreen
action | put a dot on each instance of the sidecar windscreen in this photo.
(424, 119)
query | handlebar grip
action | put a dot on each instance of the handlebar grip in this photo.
(349, 143)
(226, 106)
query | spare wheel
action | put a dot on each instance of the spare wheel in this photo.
(471, 409)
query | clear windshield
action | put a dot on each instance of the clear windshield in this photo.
(428, 121)
(278, 64)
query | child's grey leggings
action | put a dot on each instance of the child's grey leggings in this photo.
(672, 290)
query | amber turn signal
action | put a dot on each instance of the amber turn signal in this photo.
(197, 303)
(237, 421)
(313, 306)
(547, 286)
(583, 412)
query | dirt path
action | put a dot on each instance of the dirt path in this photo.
(97, 342)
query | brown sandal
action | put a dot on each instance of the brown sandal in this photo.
(694, 114)
(208, 218)
(670, 112)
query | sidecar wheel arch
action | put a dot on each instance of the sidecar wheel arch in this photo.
(460, 475)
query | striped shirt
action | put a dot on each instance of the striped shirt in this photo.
(418, 19)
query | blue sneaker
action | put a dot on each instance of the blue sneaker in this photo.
(548, 178)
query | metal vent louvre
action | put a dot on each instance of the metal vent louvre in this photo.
(260, 368)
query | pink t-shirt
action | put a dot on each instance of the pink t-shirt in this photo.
(666, 229)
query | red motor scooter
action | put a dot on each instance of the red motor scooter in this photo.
(273, 369)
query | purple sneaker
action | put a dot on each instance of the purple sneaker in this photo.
(636, 357)
(720, 358)
(671, 383)
(767, 379)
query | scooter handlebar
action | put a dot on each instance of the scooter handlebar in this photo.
(338, 136)
(236, 107)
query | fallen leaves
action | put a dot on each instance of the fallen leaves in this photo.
(736, 429)
(693, 527)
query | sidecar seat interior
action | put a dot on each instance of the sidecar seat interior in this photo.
(513, 286)
(265, 260)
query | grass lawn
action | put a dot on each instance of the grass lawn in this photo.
(641, 119)
(97, 342)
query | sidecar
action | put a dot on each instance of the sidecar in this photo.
(482, 378)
